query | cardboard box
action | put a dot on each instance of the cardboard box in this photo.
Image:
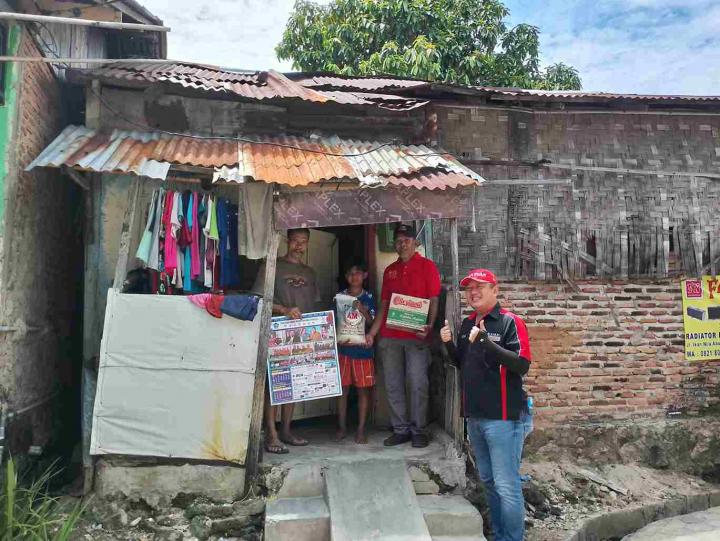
(407, 313)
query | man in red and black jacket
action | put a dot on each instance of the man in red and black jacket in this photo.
(493, 351)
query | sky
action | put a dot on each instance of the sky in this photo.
(628, 46)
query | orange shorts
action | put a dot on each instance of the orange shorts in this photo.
(357, 372)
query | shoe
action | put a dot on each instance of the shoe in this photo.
(419, 440)
(396, 439)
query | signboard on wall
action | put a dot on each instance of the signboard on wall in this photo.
(303, 359)
(701, 317)
(369, 206)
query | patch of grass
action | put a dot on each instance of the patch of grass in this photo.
(30, 513)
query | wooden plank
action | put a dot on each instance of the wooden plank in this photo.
(458, 431)
(665, 269)
(624, 254)
(599, 252)
(252, 459)
(125, 233)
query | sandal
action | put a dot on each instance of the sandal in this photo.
(276, 449)
(295, 441)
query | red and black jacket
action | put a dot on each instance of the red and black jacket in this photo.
(493, 366)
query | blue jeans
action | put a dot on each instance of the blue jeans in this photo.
(497, 446)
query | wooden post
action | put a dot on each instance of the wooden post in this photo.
(252, 459)
(125, 233)
(455, 402)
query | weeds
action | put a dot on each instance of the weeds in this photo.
(31, 514)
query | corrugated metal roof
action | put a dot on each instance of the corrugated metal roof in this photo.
(581, 94)
(288, 160)
(258, 85)
(384, 101)
(345, 83)
(348, 82)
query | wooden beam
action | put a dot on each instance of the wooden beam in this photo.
(126, 232)
(76, 177)
(49, 19)
(454, 401)
(252, 460)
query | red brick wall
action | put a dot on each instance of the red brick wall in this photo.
(609, 350)
(42, 270)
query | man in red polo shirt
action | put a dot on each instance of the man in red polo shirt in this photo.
(406, 354)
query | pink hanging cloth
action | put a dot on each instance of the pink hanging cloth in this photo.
(195, 267)
(170, 240)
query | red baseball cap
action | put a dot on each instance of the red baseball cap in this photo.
(479, 275)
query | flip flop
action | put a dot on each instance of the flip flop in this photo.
(296, 442)
(276, 449)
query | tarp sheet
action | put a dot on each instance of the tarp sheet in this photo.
(173, 381)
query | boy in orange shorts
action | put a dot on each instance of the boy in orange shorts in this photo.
(357, 365)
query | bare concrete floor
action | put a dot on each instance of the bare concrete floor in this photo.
(323, 448)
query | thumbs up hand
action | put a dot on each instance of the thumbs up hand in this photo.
(445, 332)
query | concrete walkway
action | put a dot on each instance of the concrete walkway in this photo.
(700, 526)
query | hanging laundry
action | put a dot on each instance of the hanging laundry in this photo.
(170, 244)
(178, 218)
(227, 215)
(210, 244)
(194, 224)
(143, 249)
(153, 261)
(255, 202)
(240, 306)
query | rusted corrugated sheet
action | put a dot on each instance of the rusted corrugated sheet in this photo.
(287, 160)
(344, 83)
(259, 85)
(580, 94)
(384, 101)
(360, 83)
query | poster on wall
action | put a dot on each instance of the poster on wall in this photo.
(303, 359)
(701, 318)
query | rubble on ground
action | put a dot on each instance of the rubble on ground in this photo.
(200, 520)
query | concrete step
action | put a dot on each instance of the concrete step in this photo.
(451, 517)
(297, 519)
(373, 500)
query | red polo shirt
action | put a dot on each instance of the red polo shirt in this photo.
(419, 277)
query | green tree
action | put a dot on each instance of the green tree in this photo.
(459, 41)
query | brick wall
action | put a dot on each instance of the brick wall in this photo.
(609, 351)
(42, 270)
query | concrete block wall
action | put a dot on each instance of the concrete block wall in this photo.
(41, 268)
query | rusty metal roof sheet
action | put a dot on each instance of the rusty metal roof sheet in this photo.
(384, 101)
(288, 160)
(325, 80)
(582, 95)
(258, 85)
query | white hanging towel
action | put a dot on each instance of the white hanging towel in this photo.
(143, 250)
(256, 206)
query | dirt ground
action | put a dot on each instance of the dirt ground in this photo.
(561, 495)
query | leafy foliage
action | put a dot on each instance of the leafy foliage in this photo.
(30, 513)
(459, 41)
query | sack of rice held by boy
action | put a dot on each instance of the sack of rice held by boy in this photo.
(350, 322)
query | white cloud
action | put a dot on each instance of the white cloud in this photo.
(642, 46)
(631, 46)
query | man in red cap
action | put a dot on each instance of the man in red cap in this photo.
(493, 351)
(405, 355)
